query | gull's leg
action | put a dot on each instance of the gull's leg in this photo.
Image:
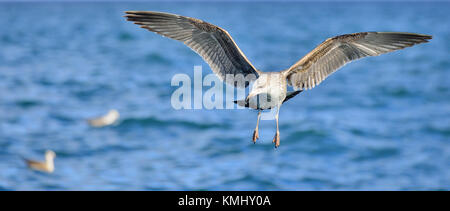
(255, 133)
(276, 139)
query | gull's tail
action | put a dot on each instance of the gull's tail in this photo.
(245, 103)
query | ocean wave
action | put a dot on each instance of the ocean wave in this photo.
(156, 122)
(158, 59)
(27, 103)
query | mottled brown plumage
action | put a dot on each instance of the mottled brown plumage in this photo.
(211, 42)
(337, 51)
(46, 166)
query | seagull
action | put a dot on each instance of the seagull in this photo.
(108, 119)
(224, 57)
(46, 166)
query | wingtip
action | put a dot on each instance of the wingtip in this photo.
(129, 14)
(425, 36)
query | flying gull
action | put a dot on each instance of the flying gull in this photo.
(218, 49)
(46, 166)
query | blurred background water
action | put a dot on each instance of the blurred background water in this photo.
(381, 123)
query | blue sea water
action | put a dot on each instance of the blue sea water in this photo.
(381, 123)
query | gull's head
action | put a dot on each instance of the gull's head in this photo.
(49, 155)
(111, 117)
(113, 113)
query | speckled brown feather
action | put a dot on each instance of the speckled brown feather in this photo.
(211, 42)
(35, 164)
(335, 52)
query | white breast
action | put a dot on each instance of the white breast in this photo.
(273, 89)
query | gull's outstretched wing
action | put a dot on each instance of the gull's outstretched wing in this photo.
(211, 42)
(335, 52)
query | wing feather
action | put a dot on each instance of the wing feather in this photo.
(335, 52)
(211, 42)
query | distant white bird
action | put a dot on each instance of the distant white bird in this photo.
(108, 119)
(218, 49)
(45, 166)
